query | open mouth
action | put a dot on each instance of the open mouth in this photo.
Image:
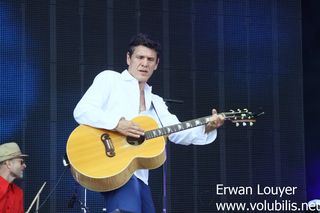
(143, 71)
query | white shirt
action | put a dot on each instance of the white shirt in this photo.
(114, 95)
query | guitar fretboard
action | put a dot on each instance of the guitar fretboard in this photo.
(176, 127)
(236, 116)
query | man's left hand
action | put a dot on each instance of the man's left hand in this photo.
(216, 121)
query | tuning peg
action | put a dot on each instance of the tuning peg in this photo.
(246, 110)
(251, 123)
(244, 124)
(237, 124)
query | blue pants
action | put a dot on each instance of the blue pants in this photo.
(134, 196)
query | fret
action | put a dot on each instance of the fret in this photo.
(160, 132)
(147, 135)
(154, 134)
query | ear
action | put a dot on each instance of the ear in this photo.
(156, 66)
(128, 59)
(8, 163)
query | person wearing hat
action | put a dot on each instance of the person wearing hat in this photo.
(12, 166)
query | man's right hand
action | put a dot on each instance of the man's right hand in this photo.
(129, 128)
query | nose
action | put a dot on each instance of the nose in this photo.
(145, 62)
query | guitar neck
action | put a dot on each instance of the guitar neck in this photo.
(176, 127)
(234, 116)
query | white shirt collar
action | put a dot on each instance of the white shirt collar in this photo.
(128, 77)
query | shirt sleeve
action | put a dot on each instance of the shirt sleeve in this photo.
(195, 136)
(89, 109)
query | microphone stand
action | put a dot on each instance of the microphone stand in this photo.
(164, 168)
(75, 199)
(36, 198)
(84, 205)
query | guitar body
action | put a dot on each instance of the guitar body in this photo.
(95, 170)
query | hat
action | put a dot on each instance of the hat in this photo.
(9, 151)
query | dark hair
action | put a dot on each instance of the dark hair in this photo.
(144, 40)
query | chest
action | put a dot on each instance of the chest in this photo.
(125, 97)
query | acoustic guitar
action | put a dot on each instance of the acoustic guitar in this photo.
(102, 160)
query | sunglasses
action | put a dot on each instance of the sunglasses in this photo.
(22, 162)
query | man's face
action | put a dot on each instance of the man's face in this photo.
(142, 63)
(17, 166)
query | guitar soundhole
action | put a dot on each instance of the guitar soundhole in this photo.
(135, 141)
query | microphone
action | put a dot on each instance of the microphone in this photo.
(168, 100)
(65, 160)
(72, 201)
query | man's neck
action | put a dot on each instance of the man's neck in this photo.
(7, 177)
(141, 86)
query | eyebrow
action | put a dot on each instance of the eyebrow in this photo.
(148, 57)
(20, 159)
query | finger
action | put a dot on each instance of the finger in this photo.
(133, 124)
(221, 117)
(133, 135)
(214, 111)
(137, 131)
(220, 121)
(216, 120)
(136, 128)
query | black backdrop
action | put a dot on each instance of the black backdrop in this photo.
(311, 30)
(224, 54)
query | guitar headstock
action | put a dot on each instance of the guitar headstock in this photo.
(244, 117)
